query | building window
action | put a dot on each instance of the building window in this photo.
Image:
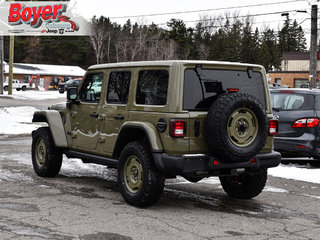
(301, 83)
(277, 81)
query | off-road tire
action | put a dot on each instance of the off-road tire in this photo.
(245, 186)
(46, 158)
(6, 88)
(150, 179)
(236, 117)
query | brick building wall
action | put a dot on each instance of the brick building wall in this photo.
(291, 79)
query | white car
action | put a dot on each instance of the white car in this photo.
(15, 85)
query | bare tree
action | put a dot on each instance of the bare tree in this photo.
(100, 38)
(139, 42)
(169, 50)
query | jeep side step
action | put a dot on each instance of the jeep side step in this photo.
(90, 158)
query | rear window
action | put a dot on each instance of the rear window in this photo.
(291, 101)
(199, 94)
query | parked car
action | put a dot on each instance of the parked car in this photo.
(299, 113)
(70, 83)
(16, 84)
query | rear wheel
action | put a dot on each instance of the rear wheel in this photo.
(141, 184)
(245, 186)
(46, 158)
(18, 89)
(5, 88)
(24, 88)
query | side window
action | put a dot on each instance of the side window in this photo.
(91, 88)
(152, 87)
(118, 87)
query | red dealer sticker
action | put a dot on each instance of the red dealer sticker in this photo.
(40, 18)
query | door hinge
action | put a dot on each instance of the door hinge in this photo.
(73, 134)
(102, 117)
(74, 114)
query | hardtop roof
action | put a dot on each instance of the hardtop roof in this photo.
(169, 63)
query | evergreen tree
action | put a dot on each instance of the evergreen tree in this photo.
(269, 51)
(179, 33)
(291, 37)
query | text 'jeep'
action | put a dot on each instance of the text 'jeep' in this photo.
(157, 120)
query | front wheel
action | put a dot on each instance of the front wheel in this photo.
(18, 89)
(46, 158)
(141, 184)
(5, 88)
(247, 185)
(24, 88)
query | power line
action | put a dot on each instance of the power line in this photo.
(233, 17)
(207, 10)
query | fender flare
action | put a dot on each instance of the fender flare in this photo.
(54, 120)
(147, 128)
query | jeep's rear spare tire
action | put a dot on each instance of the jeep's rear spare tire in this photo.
(236, 127)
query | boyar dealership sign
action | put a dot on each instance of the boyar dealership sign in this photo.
(40, 18)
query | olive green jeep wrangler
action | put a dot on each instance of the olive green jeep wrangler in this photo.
(156, 120)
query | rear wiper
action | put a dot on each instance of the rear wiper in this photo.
(197, 69)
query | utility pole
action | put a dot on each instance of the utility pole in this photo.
(1, 65)
(313, 47)
(11, 56)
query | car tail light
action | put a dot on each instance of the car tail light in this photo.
(233, 89)
(286, 91)
(306, 122)
(273, 127)
(177, 128)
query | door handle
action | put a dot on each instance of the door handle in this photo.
(94, 115)
(118, 117)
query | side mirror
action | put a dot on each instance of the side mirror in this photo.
(72, 94)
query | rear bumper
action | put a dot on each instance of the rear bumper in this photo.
(208, 165)
(306, 145)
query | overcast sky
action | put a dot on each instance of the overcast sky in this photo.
(118, 8)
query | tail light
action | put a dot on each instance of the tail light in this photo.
(306, 122)
(233, 89)
(177, 128)
(273, 127)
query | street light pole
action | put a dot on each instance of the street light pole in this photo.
(313, 47)
(11, 56)
(1, 65)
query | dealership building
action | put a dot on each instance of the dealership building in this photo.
(47, 73)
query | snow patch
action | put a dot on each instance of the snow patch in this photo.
(274, 189)
(210, 180)
(17, 120)
(296, 172)
(35, 95)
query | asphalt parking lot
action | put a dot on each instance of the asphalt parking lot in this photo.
(83, 202)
